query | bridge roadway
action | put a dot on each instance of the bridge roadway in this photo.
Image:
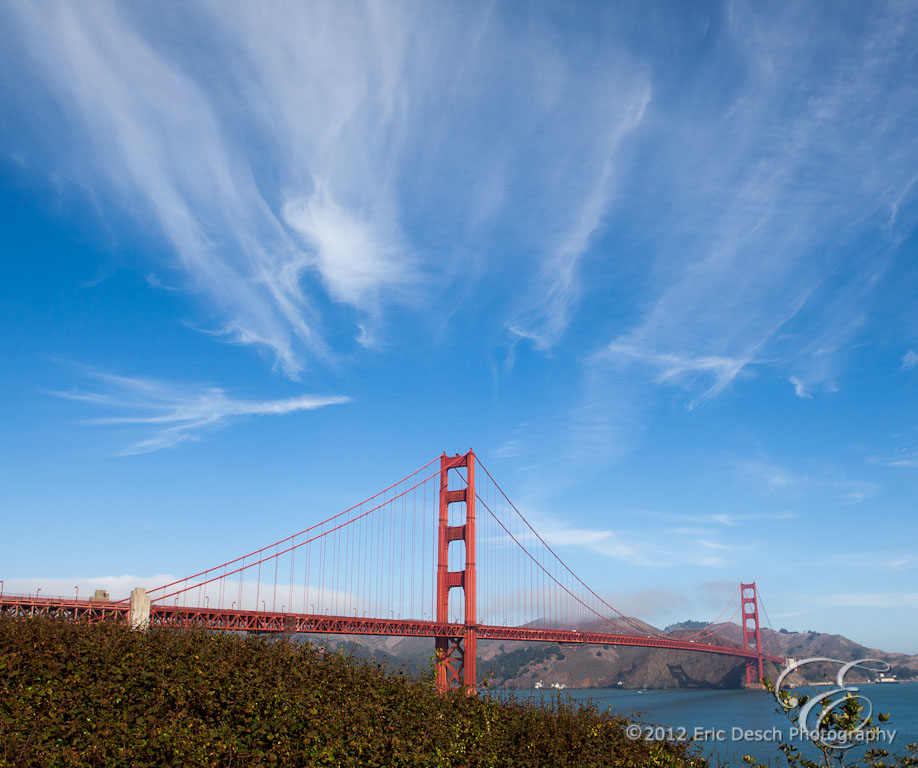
(233, 620)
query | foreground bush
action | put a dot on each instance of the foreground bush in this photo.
(94, 695)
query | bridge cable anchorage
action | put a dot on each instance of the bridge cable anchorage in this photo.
(442, 554)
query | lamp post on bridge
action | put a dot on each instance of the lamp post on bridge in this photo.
(77, 589)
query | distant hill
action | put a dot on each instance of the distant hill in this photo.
(520, 665)
(695, 625)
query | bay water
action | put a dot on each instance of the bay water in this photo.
(728, 724)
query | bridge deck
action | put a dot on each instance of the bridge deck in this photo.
(258, 621)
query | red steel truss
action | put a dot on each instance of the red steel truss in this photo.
(23, 606)
(177, 617)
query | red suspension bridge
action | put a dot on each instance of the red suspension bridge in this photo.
(443, 553)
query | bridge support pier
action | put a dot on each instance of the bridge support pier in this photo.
(752, 639)
(139, 613)
(456, 653)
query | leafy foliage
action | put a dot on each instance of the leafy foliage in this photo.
(837, 716)
(94, 695)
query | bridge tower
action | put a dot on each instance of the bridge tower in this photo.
(752, 639)
(456, 654)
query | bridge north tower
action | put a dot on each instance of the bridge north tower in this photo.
(752, 638)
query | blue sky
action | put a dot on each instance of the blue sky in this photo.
(656, 264)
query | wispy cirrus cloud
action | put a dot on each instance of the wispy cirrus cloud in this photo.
(167, 414)
(864, 599)
(800, 388)
(764, 221)
(903, 456)
(773, 476)
(722, 520)
(644, 548)
(146, 136)
(889, 559)
(824, 482)
(556, 288)
(903, 461)
(906, 463)
(311, 167)
(749, 266)
(716, 370)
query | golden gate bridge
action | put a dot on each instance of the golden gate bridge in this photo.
(443, 553)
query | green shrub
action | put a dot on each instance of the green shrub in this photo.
(103, 695)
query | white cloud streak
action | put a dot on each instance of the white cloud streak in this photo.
(153, 140)
(306, 156)
(771, 191)
(556, 289)
(911, 463)
(314, 166)
(644, 548)
(827, 484)
(773, 476)
(763, 231)
(678, 368)
(872, 600)
(118, 587)
(247, 597)
(800, 388)
(171, 414)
